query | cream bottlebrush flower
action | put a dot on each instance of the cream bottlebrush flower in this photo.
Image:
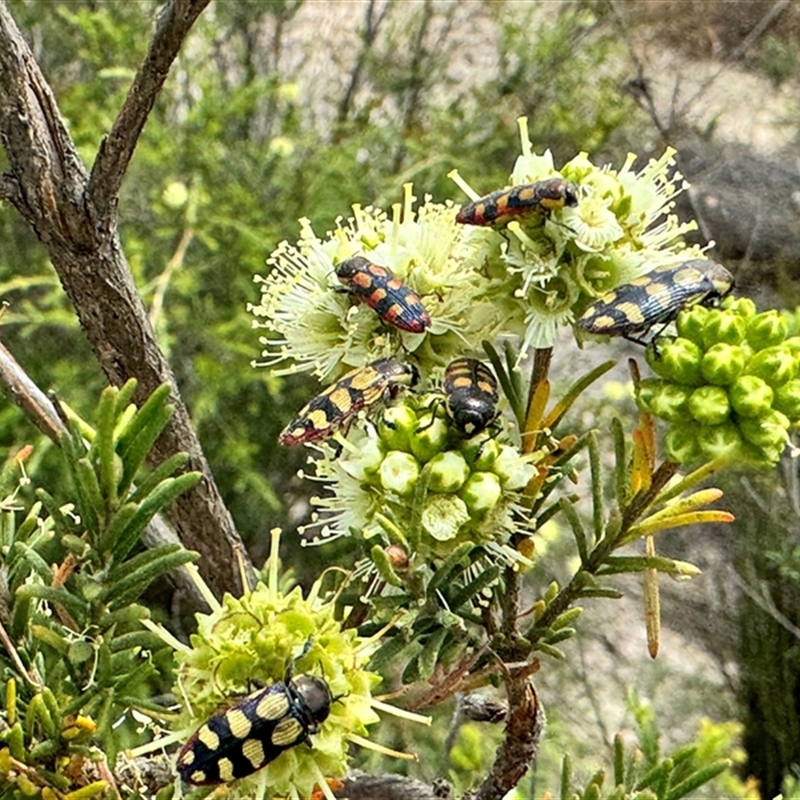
(621, 228)
(254, 638)
(319, 328)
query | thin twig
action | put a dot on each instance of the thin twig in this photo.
(173, 24)
(767, 604)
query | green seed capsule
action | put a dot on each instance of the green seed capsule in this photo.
(723, 363)
(443, 515)
(751, 396)
(480, 451)
(709, 405)
(743, 306)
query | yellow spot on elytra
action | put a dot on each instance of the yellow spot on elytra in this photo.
(254, 752)
(225, 766)
(287, 732)
(208, 737)
(239, 723)
(272, 706)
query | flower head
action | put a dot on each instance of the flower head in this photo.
(417, 470)
(255, 638)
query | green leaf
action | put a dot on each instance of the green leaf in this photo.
(429, 654)
(123, 398)
(165, 469)
(164, 559)
(33, 560)
(136, 441)
(384, 566)
(457, 559)
(119, 521)
(474, 587)
(51, 638)
(697, 779)
(101, 452)
(577, 528)
(91, 505)
(160, 497)
(76, 607)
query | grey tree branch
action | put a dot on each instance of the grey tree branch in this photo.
(172, 25)
(524, 728)
(49, 186)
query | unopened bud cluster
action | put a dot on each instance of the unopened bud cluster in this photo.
(729, 384)
(471, 483)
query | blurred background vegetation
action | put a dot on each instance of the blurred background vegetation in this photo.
(286, 109)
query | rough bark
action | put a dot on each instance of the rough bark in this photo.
(74, 214)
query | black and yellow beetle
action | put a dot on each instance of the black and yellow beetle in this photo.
(542, 197)
(255, 730)
(470, 395)
(394, 302)
(337, 406)
(656, 298)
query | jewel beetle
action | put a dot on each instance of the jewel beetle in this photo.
(656, 298)
(337, 406)
(389, 297)
(255, 730)
(541, 197)
(471, 398)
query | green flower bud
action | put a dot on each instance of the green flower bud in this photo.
(399, 472)
(743, 306)
(690, 323)
(481, 493)
(647, 389)
(397, 426)
(709, 405)
(787, 399)
(751, 397)
(670, 401)
(719, 441)
(443, 515)
(723, 363)
(762, 457)
(767, 432)
(449, 471)
(766, 330)
(681, 443)
(430, 438)
(480, 451)
(775, 365)
(680, 362)
(793, 344)
(723, 326)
